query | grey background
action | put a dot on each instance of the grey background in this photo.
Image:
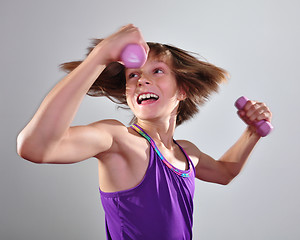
(258, 42)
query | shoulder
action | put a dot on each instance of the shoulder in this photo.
(116, 129)
(206, 167)
(191, 149)
(111, 126)
(107, 122)
(116, 132)
(188, 146)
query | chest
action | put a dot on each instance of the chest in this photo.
(126, 168)
(175, 157)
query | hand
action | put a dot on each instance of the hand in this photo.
(254, 112)
(111, 47)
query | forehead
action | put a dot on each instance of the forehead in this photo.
(159, 58)
(154, 59)
(160, 53)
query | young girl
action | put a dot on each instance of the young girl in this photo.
(146, 178)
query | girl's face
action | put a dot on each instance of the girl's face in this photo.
(152, 92)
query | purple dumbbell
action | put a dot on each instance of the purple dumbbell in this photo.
(263, 127)
(133, 56)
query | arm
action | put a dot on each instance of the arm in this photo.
(232, 162)
(48, 137)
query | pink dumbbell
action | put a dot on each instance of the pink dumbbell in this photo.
(263, 127)
(133, 56)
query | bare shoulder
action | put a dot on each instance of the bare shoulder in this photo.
(123, 165)
(206, 168)
(114, 128)
(119, 134)
(191, 149)
(111, 125)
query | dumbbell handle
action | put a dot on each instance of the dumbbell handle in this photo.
(263, 127)
(133, 56)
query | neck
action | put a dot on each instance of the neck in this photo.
(161, 132)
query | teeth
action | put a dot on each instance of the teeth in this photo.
(147, 96)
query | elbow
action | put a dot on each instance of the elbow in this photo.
(230, 171)
(228, 179)
(29, 157)
(28, 152)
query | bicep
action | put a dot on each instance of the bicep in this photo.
(206, 168)
(210, 170)
(81, 143)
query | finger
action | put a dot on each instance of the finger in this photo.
(250, 107)
(264, 114)
(241, 113)
(138, 38)
(127, 27)
(258, 111)
(146, 47)
(254, 112)
(243, 116)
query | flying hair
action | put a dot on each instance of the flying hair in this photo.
(197, 78)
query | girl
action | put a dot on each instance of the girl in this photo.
(146, 178)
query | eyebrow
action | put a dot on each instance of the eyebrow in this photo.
(158, 61)
(151, 63)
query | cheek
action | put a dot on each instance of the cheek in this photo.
(129, 92)
(128, 89)
(171, 89)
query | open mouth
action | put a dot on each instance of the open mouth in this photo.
(147, 98)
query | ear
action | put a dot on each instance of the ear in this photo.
(181, 94)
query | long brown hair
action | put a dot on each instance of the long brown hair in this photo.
(197, 78)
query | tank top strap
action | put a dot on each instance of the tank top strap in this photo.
(182, 173)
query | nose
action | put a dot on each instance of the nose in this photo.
(143, 81)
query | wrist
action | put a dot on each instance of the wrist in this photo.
(251, 132)
(99, 56)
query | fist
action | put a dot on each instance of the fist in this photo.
(254, 114)
(255, 111)
(110, 48)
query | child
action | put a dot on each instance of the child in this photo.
(146, 178)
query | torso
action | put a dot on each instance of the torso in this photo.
(159, 205)
(124, 166)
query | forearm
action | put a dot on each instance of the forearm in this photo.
(49, 129)
(55, 114)
(236, 157)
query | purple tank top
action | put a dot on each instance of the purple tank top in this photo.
(160, 207)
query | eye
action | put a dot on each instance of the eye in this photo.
(158, 70)
(133, 75)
